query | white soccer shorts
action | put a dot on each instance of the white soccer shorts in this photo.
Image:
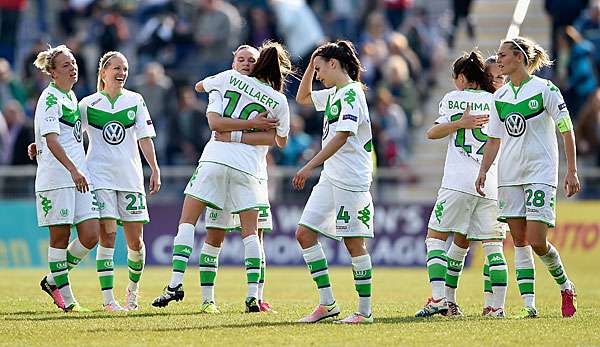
(65, 206)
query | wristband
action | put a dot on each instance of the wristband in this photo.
(236, 136)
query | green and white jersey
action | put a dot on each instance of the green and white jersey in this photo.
(244, 97)
(114, 128)
(524, 118)
(465, 148)
(57, 112)
(351, 167)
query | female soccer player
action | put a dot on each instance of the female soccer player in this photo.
(117, 122)
(459, 209)
(340, 205)
(522, 121)
(228, 174)
(63, 193)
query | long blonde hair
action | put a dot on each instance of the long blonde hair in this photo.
(45, 59)
(104, 62)
(535, 55)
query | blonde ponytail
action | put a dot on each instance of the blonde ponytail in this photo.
(45, 59)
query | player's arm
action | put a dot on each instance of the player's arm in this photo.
(325, 153)
(59, 153)
(490, 151)
(441, 130)
(572, 185)
(147, 146)
(303, 96)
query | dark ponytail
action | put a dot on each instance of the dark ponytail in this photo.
(472, 66)
(344, 52)
(273, 65)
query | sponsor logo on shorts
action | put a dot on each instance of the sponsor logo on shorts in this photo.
(364, 215)
(136, 212)
(213, 215)
(46, 204)
(439, 210)
(533, 210)
(501, 204)
(64, 212)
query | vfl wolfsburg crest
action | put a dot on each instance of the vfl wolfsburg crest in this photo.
(515, 124)
(533, 104)
(335, 110)
(113, 132)
(64, 212)
(77, 130)
(131, 115)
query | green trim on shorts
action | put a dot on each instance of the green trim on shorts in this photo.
(550, 225)
(504, 218)
(207, 203)
(357, 237)
(239, 230)
(487, 239)
(83, 220)
(447, 231)
(145, 221)
(53, 225)
(257, 207)
(320, 232)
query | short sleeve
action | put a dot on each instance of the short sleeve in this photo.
(215, 82)
(320, 97)
(83, 112)
(215, 103)
(495, 128)
(49, 122)
(143, 122)
(350, 112)
(443, 113)
(555, 104)
(283, 115)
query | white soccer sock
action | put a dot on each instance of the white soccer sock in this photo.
(76, 252)
(104, 264)
(183, 244)
(263, 263)
(57, 258)
(436, 266)
(135, 264)
(524, 263)
(556, 268)
(252, 255)
(209, 265)
(498, 272)
(362, 270)
(315, 255)
(456, 257)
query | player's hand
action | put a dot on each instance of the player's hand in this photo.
(480, 183)
(32, 150)
(154, 186)
(223, 136)
(572, 185)
(300, 178)
(261, 122)
(472, 122)
(81, 183)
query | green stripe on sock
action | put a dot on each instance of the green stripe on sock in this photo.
(436, 253)
(104, 264)
(135, 270)
(207, 277)
(183, 250)
(559, 275)
(318, 265)
(72, 260)
(363, 289)
(436, 272)
(179, 265)
(364, 274)
(57, 266)
(526, 288)
(252, 264)
(525, 274)
(487, 284)
(106, 282)
(322, 280)
(207, 260)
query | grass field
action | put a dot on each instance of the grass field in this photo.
(28, 317)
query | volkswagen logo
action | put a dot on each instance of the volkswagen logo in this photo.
(515, 124)
(77, 130)
(113, 132)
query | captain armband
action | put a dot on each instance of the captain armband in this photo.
(565, 124)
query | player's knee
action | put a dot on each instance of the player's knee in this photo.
(305, 237)
(540, 247)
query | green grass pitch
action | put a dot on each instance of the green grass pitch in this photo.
(28, 318)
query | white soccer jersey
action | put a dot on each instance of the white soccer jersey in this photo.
(524, 119)
(351, 167)
(465, 148)
(243, 98)
(114, 128)
(57, 112)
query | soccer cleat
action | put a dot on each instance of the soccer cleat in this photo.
(252, 305)
(209, 307)
(453, 310)
(169, 294)
(433, 307)
(113, 307)
(569, 301)
(356, 318)
(495, 313)
(265, 307)
(527, 312)
(53, 292)
(486, 310)
(321, 312)
(75, 307)
(131, 300)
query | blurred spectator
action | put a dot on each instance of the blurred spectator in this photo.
(562, 13)
(373, 46)
(587, 128)
(589, 27)
(20, 134)
(392, 122)
(149, 8)
(580, 81)
(155, 36)
(188, 131)
(396, 10)
(461, 10)
(299, 142)
(4, 142)
(159, 94)
(342, 17)
(10, 87)
(112, 29)
(10, 15)
(217, 32)
(84, 84)
(261, 26)
(397, 81)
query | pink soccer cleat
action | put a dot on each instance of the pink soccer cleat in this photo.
(265, 307)
(53, 292)
(569, 302)
(321, 312)
(356, 318)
